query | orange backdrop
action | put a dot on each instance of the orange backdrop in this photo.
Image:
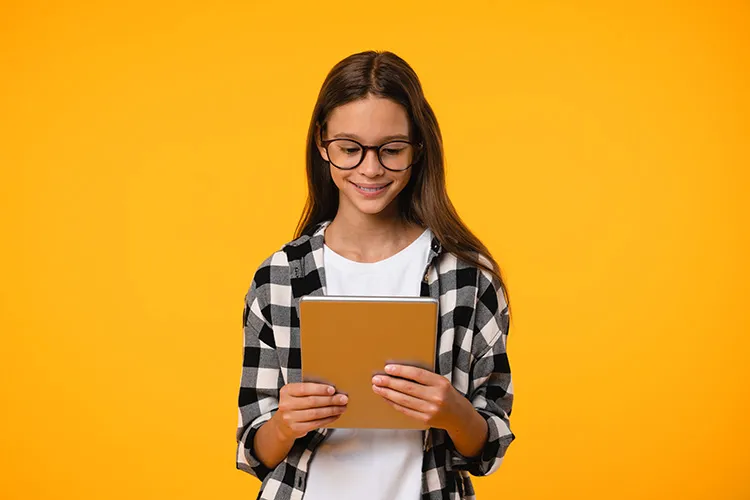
(152, 156)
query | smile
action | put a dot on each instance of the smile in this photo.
(371, 190)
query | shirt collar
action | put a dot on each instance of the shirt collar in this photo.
(317, 241)
(318, 237)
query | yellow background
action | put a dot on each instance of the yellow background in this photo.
(152, 156)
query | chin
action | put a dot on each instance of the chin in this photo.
(371, 208)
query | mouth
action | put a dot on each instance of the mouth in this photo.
(372, 189)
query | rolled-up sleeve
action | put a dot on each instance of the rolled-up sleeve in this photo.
(259, 386)
(491, 383)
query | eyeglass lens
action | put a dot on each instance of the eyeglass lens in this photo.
(396, 155)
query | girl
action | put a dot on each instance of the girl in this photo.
(377, 221)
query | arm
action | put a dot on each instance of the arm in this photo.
(469, 432)
(302, 407)
(478, 427)
(259, 390)
(271, 445)
(430, 398)
(490, 376)
(273, 415)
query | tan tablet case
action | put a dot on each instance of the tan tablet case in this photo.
(346, 340)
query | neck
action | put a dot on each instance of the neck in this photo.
(369, 237)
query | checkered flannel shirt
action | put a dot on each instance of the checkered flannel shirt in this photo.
(472, 335)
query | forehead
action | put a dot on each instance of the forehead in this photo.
(370, 118)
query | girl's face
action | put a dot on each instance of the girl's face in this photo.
(369, 188)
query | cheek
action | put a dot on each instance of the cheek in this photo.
(338, 176)
(404, 180)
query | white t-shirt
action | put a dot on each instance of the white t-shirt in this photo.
(371, 464)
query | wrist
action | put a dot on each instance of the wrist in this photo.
(282, 434)
(462, 418)
(467, 422)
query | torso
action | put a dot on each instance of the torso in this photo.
(371, 464)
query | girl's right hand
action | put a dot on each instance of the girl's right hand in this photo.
(306, 406)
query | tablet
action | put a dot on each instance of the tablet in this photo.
(345, 341)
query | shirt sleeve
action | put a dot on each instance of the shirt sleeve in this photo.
(491, 391)
(259, 386)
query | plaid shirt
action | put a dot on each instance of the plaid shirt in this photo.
(473, 328)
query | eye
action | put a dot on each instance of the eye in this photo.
(395, 149)
(345, 147)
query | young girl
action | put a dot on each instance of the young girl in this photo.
(377, 221)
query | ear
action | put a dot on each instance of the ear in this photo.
(321, 149)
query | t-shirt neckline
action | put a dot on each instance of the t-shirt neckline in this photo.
(340, 259)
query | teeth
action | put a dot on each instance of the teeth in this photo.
(369, 190)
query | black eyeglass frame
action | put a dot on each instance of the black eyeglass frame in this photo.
(417, 152)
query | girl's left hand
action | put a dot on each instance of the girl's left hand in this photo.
(425, 396)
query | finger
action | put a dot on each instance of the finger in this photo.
(401, 385)
(317, 413)
(317, 424)
(308, 402)
(420, 375)
(404, 400)
(301, 389)
(409, 412)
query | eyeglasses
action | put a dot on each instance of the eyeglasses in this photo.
(347, 154)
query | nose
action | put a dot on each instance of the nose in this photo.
(370, 166)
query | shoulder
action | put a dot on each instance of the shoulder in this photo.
(275, 270)
(453, 266)
(465, 277)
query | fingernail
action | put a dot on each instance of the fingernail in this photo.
(331, 390)
(376, 380)
(389, 368)
(343, 400)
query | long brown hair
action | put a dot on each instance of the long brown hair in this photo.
(424, 200)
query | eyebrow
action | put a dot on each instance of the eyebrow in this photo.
(395, 137)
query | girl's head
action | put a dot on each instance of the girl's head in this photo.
(375, 98)
(369, 183)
